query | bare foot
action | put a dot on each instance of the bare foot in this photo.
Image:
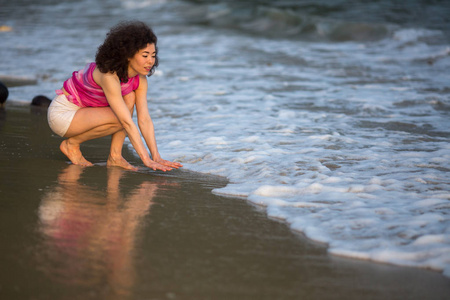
(74, 154)
(120, 162)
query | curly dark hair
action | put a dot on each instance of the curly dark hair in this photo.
(122, 42)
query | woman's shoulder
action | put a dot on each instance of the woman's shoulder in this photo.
(101, 78)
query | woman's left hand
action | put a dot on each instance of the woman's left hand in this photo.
(171, 164)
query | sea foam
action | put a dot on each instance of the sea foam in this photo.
(338, 161)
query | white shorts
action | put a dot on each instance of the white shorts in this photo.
(60, 114)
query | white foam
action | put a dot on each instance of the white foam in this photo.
(361, 190)
(140, 4)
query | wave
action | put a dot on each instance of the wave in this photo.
(318, 20)
(286, 23)
(136, 4)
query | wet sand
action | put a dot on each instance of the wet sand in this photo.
(69, 232)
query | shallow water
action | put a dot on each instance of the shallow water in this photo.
(333, 117)
(69, 232)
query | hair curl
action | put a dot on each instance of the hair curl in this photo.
(122, 42)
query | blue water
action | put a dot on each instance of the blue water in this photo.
(333, 115)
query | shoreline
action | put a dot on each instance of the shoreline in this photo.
(105, 233)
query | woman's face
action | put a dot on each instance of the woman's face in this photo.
(142, 62)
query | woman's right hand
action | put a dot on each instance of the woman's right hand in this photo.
(156, 166)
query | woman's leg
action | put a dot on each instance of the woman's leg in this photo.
(117, 139)
(88, 123)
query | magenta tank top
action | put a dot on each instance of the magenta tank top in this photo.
(85, 92)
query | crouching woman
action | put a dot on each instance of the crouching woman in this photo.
(99, 100)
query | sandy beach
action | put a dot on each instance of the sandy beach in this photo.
(69, 232)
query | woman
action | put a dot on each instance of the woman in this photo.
(100, 99)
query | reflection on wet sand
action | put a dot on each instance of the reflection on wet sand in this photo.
(89, 236)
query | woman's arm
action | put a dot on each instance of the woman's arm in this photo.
(144, 120)
(146, 124)
(111, 86)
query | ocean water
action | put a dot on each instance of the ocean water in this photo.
(334, 115)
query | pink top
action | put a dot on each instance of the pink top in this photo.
(85, 92)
